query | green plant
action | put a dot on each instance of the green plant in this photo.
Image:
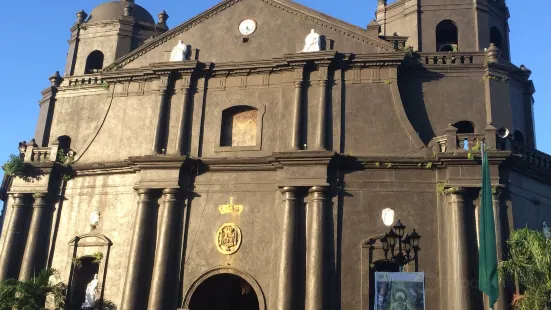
(377, 164)
(529, 262)
(67, 177)
(98, 256)
(428, 165)
(474, 152)
(14, 166)
(388, 165)
(31, 294)
(105, 85)
(388, 82)
(65, 158)
(77, 262)
(441, 187)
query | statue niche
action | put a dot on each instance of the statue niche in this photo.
(239, 126)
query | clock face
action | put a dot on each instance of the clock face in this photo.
(247, 27)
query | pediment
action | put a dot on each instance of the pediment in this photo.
(282, 26)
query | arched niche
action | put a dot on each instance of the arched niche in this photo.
(85, 249)
(496, 37)
(240, 128)
(447, 38)
(464, 127)
(518, 136)
(94, 62)
(226, 270)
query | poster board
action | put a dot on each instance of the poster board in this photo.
(399, 291)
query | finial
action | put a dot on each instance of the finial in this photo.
(527, 71)
(492, 53)
(382, 2)
(128, 10)
(163, 17)
(56, 79)
(81, 16)
(128, 1)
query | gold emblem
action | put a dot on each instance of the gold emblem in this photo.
(228, 238)
(230, 208)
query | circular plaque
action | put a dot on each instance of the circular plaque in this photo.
(228, 238)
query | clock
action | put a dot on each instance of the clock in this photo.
(247, 27)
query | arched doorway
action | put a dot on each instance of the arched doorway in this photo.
(224, 291)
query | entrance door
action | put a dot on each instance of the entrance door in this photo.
(224, 292)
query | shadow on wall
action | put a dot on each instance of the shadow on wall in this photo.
(410, 84)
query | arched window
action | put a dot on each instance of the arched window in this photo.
(94, 62)
(239, 126)
(518, 136)
(464, 127)
(496, 38)
(446, 36)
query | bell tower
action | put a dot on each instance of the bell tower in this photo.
(443, 26)
(112, 30)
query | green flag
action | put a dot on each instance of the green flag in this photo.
(487, 259)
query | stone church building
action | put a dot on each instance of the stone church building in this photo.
(244, 159)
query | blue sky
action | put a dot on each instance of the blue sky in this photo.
(34, 38)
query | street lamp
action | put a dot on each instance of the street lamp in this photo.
(398, 248)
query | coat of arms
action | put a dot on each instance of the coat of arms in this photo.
(228, 238)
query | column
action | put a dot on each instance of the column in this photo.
(316, 250)
(166, 269)
(288, 254)
(10, 257)
(321, 141)
(501, 303)
(459, 267)
(182, 143)
(297, 116)
(141, 253)
(161, 129)
(36, 250)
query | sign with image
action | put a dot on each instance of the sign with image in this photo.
(399, 291)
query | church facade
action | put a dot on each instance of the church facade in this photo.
(254, 156)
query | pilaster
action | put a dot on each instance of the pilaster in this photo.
(287, 285)
(14, 244)
(316, 251)
(36, 250)
(166, 269)
(140, 261)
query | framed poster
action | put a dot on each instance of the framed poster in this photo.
(399, 291)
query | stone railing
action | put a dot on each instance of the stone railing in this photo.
(461, 142)
(452, 58)
(35, 154)
(89, 79)
(530, 156)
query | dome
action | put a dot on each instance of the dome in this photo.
(114, 10)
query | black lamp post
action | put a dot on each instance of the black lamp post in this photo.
(399, 248)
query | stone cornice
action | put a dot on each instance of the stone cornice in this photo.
(288, 6)
(287, 62)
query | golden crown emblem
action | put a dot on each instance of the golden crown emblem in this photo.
(230, 208)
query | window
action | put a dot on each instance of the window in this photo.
(518, 136)
(496, 38)
(464, 127)
(239, 127)
(446, 36)
(94, 62)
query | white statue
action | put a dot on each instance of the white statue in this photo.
(312, 42)
(90, 298)
(179, 52)
(546, 230)
(388, 217)
(94, 218)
